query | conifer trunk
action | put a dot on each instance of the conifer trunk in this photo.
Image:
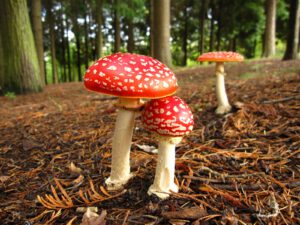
(293, 31)
(130, 43)
(185, 35)
(99, 42)
(19, 71)
(117, 27)
(202, 18)
(161, 31)
(37, 28)
(151, 28)
(50, 21)
(86, 42)
(270, 31)
(68, 53)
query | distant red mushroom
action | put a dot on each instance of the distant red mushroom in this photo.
(220, 58)
(130, 77)
(170, 118)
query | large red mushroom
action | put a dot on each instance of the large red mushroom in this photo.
(170, 119)
(220, 58)
(131, 77)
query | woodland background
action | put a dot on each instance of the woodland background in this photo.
(55, 145)
(52, 41)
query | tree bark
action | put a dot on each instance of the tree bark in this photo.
(20, 72)
(99, 42)
(68, 52)
(63, 44)
(86, 42)
(161, 31)
(211, 35)
(151, 28)
(37, 28)
(130, 43)
(202, 18)
(185, 34)
(293, 32)
(117, 44)
(50, 21)
(220, 25)
(270, 30)
(2, 73)
(78, 56)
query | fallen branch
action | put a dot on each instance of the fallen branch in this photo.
(281, 99)
(254, 187)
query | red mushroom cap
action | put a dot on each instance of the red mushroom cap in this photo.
(169, 116)
(130, 75)
(221, 57)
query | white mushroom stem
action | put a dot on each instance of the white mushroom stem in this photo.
(120, 162)
(165, 169)
(223, 104)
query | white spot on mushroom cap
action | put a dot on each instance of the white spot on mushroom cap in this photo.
(165, 84)
(112, 68)
(128, 69)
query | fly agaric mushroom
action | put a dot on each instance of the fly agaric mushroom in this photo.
(220, 58)
(130, 77)
(170, 118)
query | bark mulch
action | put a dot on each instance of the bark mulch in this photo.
(241, 168)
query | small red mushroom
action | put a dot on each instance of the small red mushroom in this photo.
(170, 118)
(220, 58)
(130, 77)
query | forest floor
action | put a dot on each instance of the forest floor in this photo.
(240, 168)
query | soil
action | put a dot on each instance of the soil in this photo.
(239, 168)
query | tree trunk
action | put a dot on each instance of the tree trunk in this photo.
(185, 34)
(293, 32)
(211, 35)
(220, 25)
(50, 21)
(202, 18)
(37, 28)
(130, 43)
(86, 43)
(63, 45)
(99, 42)
(151, 28)
(68, 52)
(78, 57)
(2, 73)
(161, 31)
(117, 27)
(20, 72)
(270, 30)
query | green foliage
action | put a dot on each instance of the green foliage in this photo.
(10, 95)
(238, 26)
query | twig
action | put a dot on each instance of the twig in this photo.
(282, 99)
(59, 106)
(254, 187)
(126, 217)
(223, 176)
(275, 207)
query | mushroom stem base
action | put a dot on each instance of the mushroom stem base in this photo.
(120, 166)
(165, 170)
(223, 104)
